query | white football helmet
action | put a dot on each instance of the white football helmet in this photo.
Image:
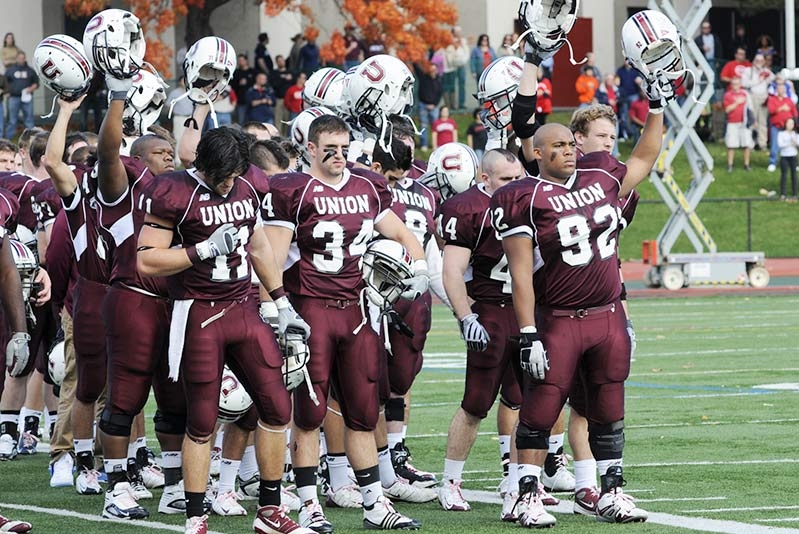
(63, 67)
(380, 86)
(497, 88)
(234, 401)
(56, 363)
(295, 359)
(452, 169)
(143, 103)
(547, 22)
(28, 267)
(299, 130)
(325, 88)
(385, 266)
(208, 68)
(651, 43)
(114, 42)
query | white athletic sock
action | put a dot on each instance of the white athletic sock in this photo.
(555, 443)
(220, 435)
(171, 459)
(83, 445)
(394, 438)
(371, 493)
(228, 469)
(132, 449)
(404, 432)
(603, 465)
(513, 477)
(322, 444)
(337, 466)
(504, 445)
(526, 470)
(249, 464)
(453, 470)
(307, 493)
(585, 474)
(387, 474)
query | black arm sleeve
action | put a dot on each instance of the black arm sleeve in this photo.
(523, 111)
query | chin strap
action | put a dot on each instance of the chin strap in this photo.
(515, 46)
(197, 99)
(52, 109)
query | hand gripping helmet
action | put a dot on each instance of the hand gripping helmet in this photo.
(295, 359)
(547, 22)
(28, 267)
(56, 363)
(234, 401)
(497, 88)
(114, 42)
(651, 43)
(63, 67)
(452, 169)
(208, 67)
(299, 130)
(143, 103)
(380, 86)
(385, 266)
(324, 88)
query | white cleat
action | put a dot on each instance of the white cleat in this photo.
(227, 505)
(152, 476)
(197, 525)
(87, 482)
(401, 490)
(509, 507)
(275, 520)
(561, 479)
(383, 516)
(249, 489)
(216, 460)
(312, 517)
(173, 500)
(61, 472)
(290, 499)
(617, 507)
(502, 489)
(120, 503)
(531, 512)
(8, 447)
(585, 500)
(451, 497)
(345, 497)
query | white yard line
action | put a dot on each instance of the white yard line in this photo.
(153, 525)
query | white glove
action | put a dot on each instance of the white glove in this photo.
(17, 353)
(222, 242)
(474, 333)
(116, 85)
(533, 358)
(419, 283)
(289, 319)
(269, 314)
(631, 333)
(659, 90)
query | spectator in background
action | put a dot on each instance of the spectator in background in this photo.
(476, 135)
(590, 61)
(482, 56)
(629, 83)
(294, 55)
(734, 68)
(3, 92)
(505, 47)
(741, 40)
(355, 49)
(586, 86)
(243, 78)
(543, 98)
(260, 100)
(377, 46)
(263, 60)
(282, 78)
(96, 102)
(608, 92)
(439, 59)
(10, 50)
(22, 82)
(293, 97)
(738, 135)
(789, 91)
(309, 56)
(639, 110)
(788, 141)
(181, 112)
(430, 93)
(710, 45)
(780, 109)
(458, 57)
(445, 129)
(765, 46)
(756, 80)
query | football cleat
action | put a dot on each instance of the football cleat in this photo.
(312, 517)
(8, 447)
(502, 489)
(61, 472)
(290, 499)
(401, 490)
(173, 500)
(451, 498)
(509, 507)
(9, 525)
(546, 498)
(139, 489)
(87, 482)
(227, 504)
(615, 507)
(275, 520)
(28, 442)
(530, 508)
(382, 516)
(585, 500)
(197, 525)
(400, 458)
(249, 489)
(560, 479)
(152, 476)
(120, 503)
(345, 497)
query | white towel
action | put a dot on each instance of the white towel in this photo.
(177, 335)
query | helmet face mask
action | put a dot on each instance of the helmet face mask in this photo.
(62, 65)
(295, 359)
(28, 267)
(452, 169)
(114, 42)
(143, 103)
(208, 68)
(234, 401)
(385, 266)
(497, 88)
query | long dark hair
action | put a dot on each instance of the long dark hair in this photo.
(222, 153)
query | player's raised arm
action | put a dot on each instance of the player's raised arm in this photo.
(111, 177)
(63, 178)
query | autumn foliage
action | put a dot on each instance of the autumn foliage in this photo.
(409, 28)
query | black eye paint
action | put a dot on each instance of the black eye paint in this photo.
(329, 153)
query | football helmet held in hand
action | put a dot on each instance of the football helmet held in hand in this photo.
(208, 68)
(651, 43)
(295, 359)
(497, 89)
(299, 131)
(114, 42)
(234, 401)
(546, 24)
(452, 169)
(143, 103)
(385, 266)
(62, 65)
(56, 363)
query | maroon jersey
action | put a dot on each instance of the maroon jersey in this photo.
(83, 220)
(46, 203)
(61, 264)
(121, 222)
(331, 226)
(9, 208)
(628, 206)
(195, 211)
(466, 222)
(417, 206)
(574, 226)
(418, 168)
(22, 186)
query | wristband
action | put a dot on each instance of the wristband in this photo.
(194, 257)
(276, 293)
(656, 106)
(119, 95)
(528, 330)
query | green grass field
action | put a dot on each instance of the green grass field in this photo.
(707, 436)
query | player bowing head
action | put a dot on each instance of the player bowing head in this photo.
(222, 156)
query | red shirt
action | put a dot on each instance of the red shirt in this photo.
(445, 131)
(639, 109)
(293, 99)
(737, 114)
(544, 99)
(780, 109)
(734, 69)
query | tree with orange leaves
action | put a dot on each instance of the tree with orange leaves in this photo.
(409, 28)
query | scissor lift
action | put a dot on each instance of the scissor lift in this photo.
(706, 266)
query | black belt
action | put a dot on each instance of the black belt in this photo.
(584, 312)
(341, 304)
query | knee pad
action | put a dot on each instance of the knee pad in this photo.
(606, 441)
(169, 423)
(395, 409)
(115, 424)
(530, 438)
